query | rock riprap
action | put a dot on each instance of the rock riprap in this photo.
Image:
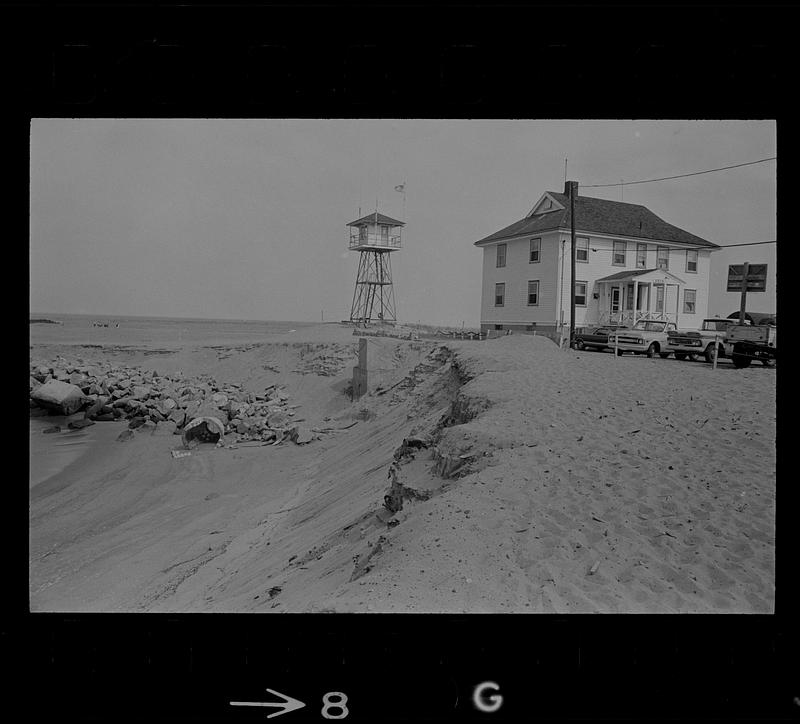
(113, 392)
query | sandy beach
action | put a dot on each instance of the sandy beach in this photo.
(541, 480)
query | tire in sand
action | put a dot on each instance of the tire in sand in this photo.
(652, 350)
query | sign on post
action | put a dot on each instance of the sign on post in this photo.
(756, 277)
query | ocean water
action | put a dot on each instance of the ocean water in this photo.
(156, 332)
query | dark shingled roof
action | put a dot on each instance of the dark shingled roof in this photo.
(370, 219)
(602, 217)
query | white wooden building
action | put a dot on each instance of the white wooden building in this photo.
(630, 265)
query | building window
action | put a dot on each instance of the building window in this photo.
(662, 257)
(384, 234)
(362, 233)
(641, 256)
(536, 251)
(498, 327)
(689, 298)
(499, 294)
(582, 248)
(501, 255)
(533, 293)
(618, 255)
(629, 298)
(580, 293)
(660, 298)
(691, 261)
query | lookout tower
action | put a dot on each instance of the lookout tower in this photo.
(374, 236)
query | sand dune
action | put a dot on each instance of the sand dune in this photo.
(554, 480)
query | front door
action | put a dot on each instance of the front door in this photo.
(614, 300)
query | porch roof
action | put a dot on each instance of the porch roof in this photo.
(648, 276)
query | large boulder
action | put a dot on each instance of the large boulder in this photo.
(278, 419)
(166, 406)
(59, 396)
(140, 392)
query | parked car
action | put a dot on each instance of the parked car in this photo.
(647, 336)
(596, 339)
(689, 343)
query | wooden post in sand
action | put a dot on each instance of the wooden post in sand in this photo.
(716, 347)
(360, 371)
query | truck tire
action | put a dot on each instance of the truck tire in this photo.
(709, 353)
(680, 355)
(740, 361)
(652, 350)
(578, 344)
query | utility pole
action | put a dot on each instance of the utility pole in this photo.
(573, 190)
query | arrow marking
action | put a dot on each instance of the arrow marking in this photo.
(288, 704)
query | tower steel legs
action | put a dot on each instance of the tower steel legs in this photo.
(374, 292)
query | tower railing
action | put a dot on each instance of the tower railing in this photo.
(386, 242)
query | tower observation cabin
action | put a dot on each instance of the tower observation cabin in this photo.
(374, 236)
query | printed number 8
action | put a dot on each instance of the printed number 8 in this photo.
(340, 703)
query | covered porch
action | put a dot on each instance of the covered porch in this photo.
(628, 296)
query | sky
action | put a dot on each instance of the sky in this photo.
(246, 219)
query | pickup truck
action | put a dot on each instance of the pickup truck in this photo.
(745, 343)
(689, 343)
(596, 338)
(648, 336)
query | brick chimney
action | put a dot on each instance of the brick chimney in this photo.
(567, 185)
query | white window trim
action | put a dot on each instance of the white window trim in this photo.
(694, 301)
(658, 248)
(538, 251)
(497, 264)
(644, 265)
(578, 248)
(624, 261)
(536, 303)
(497, 284)
(585, 296)
(696, 261)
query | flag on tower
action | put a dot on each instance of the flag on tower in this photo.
(400, 187)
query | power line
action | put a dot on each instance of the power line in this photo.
(749, 243)
(683, 175)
